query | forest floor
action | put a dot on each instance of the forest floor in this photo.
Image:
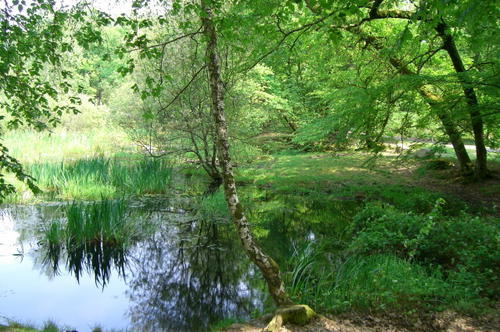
(444, 321)
(358, 173)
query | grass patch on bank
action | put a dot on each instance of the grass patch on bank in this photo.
(64, 144)
(14, 326)
(319, 171)
(93, 178)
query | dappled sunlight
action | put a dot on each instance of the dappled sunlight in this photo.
(192, 164)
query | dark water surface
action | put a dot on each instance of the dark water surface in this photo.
(183, 276)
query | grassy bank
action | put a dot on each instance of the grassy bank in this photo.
(352, 233)
(18, 327)
(47, 327)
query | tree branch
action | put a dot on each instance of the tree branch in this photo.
(181, 91)
(282, 40)
(191, 34)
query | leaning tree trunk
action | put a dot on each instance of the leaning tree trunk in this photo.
(450, 47)
(266, 264)
(451, 130)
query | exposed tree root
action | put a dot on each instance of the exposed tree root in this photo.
(299, 314)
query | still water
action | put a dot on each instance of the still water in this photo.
(183, 276)
(180, 273)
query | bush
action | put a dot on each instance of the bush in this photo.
(380, 228)
(468, 245)
(464, 248)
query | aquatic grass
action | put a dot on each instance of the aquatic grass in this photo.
(95, 236)
(300, 276)
(54, 237)
(92, 178)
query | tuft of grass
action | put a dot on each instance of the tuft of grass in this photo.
(363, 283)
(14, 326)
(225, 323)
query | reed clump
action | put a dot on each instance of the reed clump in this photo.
(92, 178)
(93, 237)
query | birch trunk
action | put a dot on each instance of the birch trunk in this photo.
(268, 267)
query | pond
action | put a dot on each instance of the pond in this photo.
(174, 273)
(183, 276)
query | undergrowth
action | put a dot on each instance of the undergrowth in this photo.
(398, 260)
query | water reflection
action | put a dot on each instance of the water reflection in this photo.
(183, 276)
(96, 259)
(184, 283)
(291, 221)
(172, 273)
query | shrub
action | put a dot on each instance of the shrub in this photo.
(464, 248)
(382, 228)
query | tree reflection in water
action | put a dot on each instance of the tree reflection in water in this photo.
(188, 281)
(184, 276)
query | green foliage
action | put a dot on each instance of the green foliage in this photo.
(379, 229)
(464, 247)
(35, 38)
(373, 282)
(385, 282)
(411, 198)
(316, 75)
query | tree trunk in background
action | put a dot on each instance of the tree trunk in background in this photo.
(454, 135)
(451, 130)
(266, 264)
(434, 102)
(449, 46)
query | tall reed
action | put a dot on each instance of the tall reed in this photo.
(95, 237)
(92, 178)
